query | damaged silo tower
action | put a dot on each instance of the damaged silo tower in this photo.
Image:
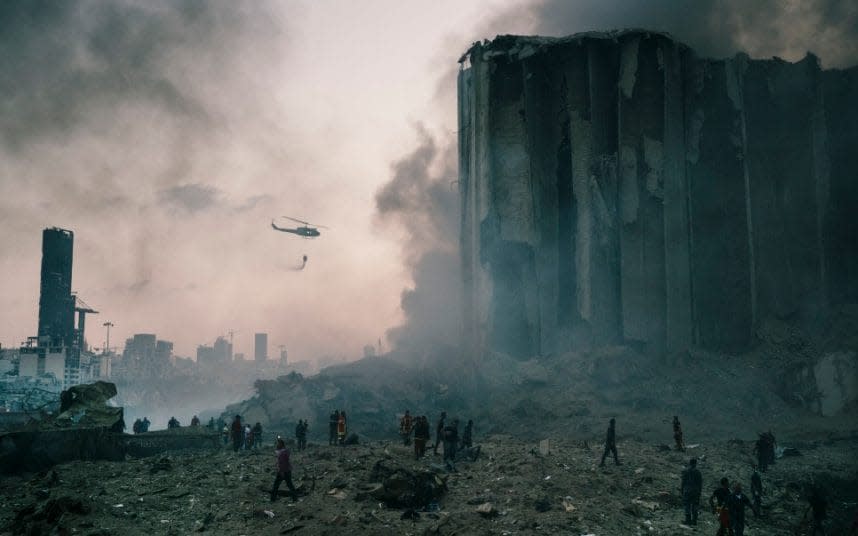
(617, 188)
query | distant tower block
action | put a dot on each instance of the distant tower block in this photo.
(56, 303)
(260, 349)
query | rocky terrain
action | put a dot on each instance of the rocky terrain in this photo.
(540, 424)
(514, 487)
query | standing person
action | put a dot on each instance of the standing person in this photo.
(819, 507)
(718, 502)
(736, 504)
(145, 424)
(341, 428)
(237, 431)
(257, 435)
(248, 436)
(284, 472)
(761, 450)
(136, 426)
(691, 488)
(611, 443)
(333, 422)
(195, 421)
(405, 424)
(677, 434)
(302, 434)
(439, 432)
(770, 447)
(421, 436)
(467, 435)
(225, 433)
(756, 491)
(451, 440)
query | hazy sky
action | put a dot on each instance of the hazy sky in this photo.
(166, 135)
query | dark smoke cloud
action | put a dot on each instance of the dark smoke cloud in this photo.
(718, 28)
(422, 199)
(67, 64)
(119, 118)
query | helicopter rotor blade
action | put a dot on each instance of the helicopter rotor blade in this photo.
(297, 220)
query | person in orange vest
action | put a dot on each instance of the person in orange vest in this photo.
(341, 428)
(405, 424)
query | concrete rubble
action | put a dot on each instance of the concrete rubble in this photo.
(88, 428)
(512, 489)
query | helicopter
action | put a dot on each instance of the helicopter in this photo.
(308, 230)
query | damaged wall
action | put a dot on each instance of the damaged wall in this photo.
(618, 188)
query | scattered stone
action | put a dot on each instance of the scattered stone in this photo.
(487, 510)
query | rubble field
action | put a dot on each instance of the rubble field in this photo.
(513, 487)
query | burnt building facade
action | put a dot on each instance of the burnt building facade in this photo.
(617, 188)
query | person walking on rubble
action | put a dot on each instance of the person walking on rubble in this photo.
(342, 426)
(756, 491)
(760, 451)
(195, 421)
(467, 435)
(173, 423)
(421, 436)
(439, 432)
(718, 502)
(451, 440)
(237, 432)
(248, 437)
(284, 472)
(611, 443)
(144, 425)
(225, 433)
(691, 487)
(677, 434)
(405, 425)
(333, 422)
(257, 435)
(819, 507)
(301, 434)
(736, 504)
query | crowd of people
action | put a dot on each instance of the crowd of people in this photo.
(728, 501)
(141, 425)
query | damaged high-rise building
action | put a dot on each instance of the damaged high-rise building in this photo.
(616, 188)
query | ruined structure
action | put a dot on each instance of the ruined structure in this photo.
(617, 188)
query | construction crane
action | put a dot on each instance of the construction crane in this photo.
(82, 309)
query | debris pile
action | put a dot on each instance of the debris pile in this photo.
(378, 488)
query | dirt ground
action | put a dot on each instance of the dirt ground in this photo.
(529, 491)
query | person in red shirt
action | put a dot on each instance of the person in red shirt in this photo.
(341, 428)
(284, 472)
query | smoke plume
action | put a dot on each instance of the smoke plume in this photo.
(422, 198)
